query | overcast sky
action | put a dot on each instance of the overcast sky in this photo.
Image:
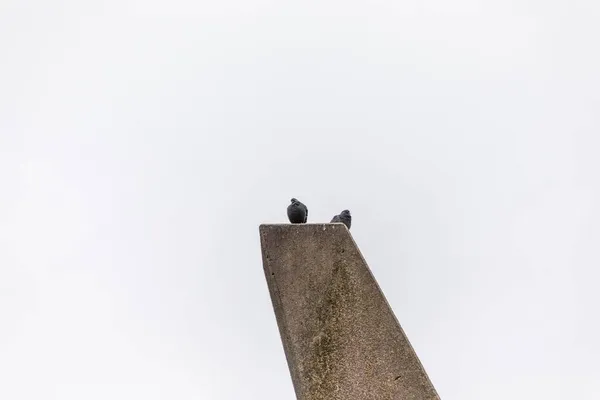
(143, 142)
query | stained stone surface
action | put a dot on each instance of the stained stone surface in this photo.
(341, 339)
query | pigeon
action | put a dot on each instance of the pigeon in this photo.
(297, 212)
(344, 217)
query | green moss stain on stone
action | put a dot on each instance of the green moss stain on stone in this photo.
(321, 365)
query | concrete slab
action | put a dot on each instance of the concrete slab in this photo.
(341, 338)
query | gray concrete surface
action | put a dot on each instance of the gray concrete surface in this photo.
(341, 339)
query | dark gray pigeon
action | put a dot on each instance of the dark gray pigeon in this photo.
(297, 212)
(344, 217)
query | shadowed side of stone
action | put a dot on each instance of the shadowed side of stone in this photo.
(341, 339)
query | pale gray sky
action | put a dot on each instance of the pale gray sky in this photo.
(143, 142)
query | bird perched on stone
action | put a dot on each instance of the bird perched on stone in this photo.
(297, 212)
(344, 217)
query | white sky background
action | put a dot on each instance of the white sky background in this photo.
(143, 142)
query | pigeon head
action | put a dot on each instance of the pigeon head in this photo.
(294, 200)
(345, 213)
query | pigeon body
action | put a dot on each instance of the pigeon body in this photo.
(344, 217)
(297, 212)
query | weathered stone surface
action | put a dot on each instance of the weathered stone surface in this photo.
(341, 339)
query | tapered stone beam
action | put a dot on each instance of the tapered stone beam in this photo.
(340, 336)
